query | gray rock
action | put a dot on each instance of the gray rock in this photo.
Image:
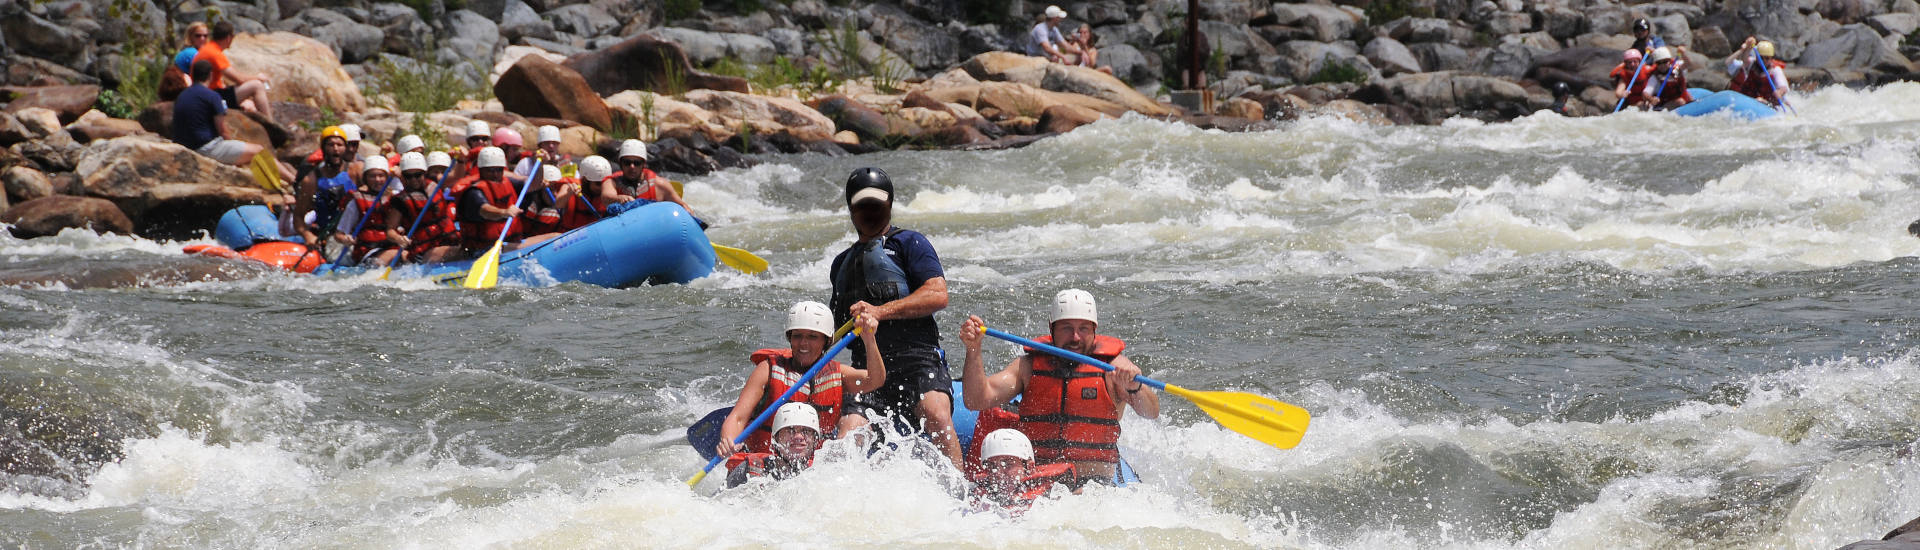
(1132, 34)
(46, 40)
(788, 42)
(924, 47)
(1847, 12)
(1102, 12)
(1239, 83)
(490, 9)
(1610, 19)
(1301, 60)
(56, 153)
(468, 31)
(1892, 24)
(1281, 34)
(1511, 58)
(702, 47)
(1439, 56)
(1894, 541)
(1505, 23)
(583, 20)
(1694, 14)
(1673, 29)
(749, 48)
(754, 23)
(1711, 42)
(1441, 95)
(1390, 56)
(1243, 48)
(1129, 64)
(518, 21)
(1779, 20)
(351, 40)
(1228, 10)
(1328, 23)
(1417, 30)
(986, 38)
(563, 46)
(1562, 23)
(1856, 47)
(406, 33)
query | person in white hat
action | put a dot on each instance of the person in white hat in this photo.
(636, 182)
(479, 136)
(324, 188)
(1045, 39)
(376, 183)
(1008, 479)
(488, 201)
(438, 162)
(809, 333)
(796, 435)
(406, 144)
(435, 239)
(546, 149)
(1071, 412)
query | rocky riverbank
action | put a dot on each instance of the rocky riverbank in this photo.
(713, 84)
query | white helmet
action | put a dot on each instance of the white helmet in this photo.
(410, 142)
(812, 316)
(375, 162)
(548, 133)
(440, 159)
(594, 169)
(410, 161)
(1007, 442)
(549, 173)
(1661, 54)
(493, 157)
(479, 128)
(633, 148)
(1074, 303)
(798, 414)
(352, 131)
(1056, 12)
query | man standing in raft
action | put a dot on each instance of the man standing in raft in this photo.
(809, 334)
(1070, 412)
(895, 276)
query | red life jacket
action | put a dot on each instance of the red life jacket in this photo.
(823, 392)
(500, 194)
(1636, 87)
(373, 231)
(1032, 487)
(435, 230)
(646, 191)
(1754, 83)
(1067, 411)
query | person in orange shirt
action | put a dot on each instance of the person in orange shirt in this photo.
(246, 91)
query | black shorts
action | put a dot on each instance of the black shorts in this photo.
(226, 94)
(910, 373)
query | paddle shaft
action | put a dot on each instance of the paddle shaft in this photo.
(777, 402)
(431, 200)
(379, 197)
(1054, 350)
(1662, 90)
(1766, 73)
(1630, 84)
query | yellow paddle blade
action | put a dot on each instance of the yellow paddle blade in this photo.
(485, 271)
(739, 259)
(679, 189)
(696, 478)
(1272, 422)
(388, 272)
(265, 172)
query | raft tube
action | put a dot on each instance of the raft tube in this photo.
(656, 243)
(1734, 103)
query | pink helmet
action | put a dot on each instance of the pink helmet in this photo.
(506, 136)
(1632, 55)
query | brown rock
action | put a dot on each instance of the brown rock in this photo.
(25, 70)
(643, 63)
(69, 102)
(157, 118)
(302, 70)
(919, 98)
(851, 115)
(11, 131)
(1009, 100)
(55, 153)
(767, 115)
(91, 127)
(958, 135)
(141, 175)
(1060, 119)
(1241, 107)
(46, 216)
(25, 184)
(1022, 125)
(1083, 81)
(925, 119)
(37, 122)
(248, 129)
(536, 87)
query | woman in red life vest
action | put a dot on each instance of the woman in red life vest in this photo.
(1009, 481)
(1625, 82)
(796, 436)
(809, 333)
(1764, 79)
(1667, 82)
(635, 181)
(1070, 412)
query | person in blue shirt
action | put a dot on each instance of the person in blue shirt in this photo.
(197, 35)
(199, 122)
(895, 275)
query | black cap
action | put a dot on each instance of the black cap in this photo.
(1642, 25)
(869, 178)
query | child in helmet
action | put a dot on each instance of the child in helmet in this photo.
(1008, 479)
(809, 334)
(796, 429)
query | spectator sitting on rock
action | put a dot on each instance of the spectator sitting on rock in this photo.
(175, 79)
(1089, 57)
(246, 91)
(200, 124)
(1045, 40)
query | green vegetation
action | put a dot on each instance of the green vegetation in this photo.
(782, 72)
(422, 88)
(1382, 11)
(845, 52)
(626, 127)
(681, 9)
(745, 137)
(1335, 71)
(139, 76)
(327, 118)
(430, 133)
(647, 118)
(676, 78)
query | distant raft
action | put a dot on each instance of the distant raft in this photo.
(1735, 104)
(652, 244)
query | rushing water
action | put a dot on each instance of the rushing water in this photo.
(1631, 331)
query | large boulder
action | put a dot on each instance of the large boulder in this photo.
(302, 70)
(643, 62)
(1441, 95)
(1007, 100)
(66, 102)
(536, 87)
(351, 41)
(1129, 64)
(48, 215)
(1302, 60)
(45, 39)
(1390, 56)
(923, 46)
(1578, 67)
(25, 184)
(1243, 47)
(847, 114)
(766, 115)
(519, 22)
(583, 20)
(473, 34)
(1327, 22)
(406, 34)
(37, 122)
(1856, 46)
(703, 47)
(1083, 81)
(1060, 119)
(162, 186)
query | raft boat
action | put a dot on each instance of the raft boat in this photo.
(656, 243)
(1736, 104)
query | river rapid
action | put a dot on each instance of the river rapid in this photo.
(1633, 331)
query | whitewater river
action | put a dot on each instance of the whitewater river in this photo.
(1624, 332)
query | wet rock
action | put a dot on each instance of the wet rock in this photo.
(850, 115)
(766, 115)
(351, 41)
(302, 70)
(1241, 107)
(161, 185)
(1059, 119)
(1278, 105)
(1327, 23)
(48, 215)
(25, 184)
(1579, 67)
(538, 87)
(1856, 46)
(1440, 95)
(66, 102)
(1390, 56)
(642, 63)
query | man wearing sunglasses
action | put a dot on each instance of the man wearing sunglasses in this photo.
(635, 181)
(436, 239)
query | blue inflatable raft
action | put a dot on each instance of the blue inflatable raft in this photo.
(656, 243)
(1735, 104)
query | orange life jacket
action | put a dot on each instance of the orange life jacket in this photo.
(823, 392)
(1032, 487)
(500, 194)
(757, 463)
(1067, 411)
(435, 230)
(373, 231)
(1754, 83)
(1636, 87)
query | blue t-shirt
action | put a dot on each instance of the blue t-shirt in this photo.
(184, 59)
(193, 116)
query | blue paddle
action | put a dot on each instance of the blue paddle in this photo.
(379, 197)
(777, 402)
(705, 434)
(1661, 92)
(435, 199)
(1630, 83)
(1767, 74)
